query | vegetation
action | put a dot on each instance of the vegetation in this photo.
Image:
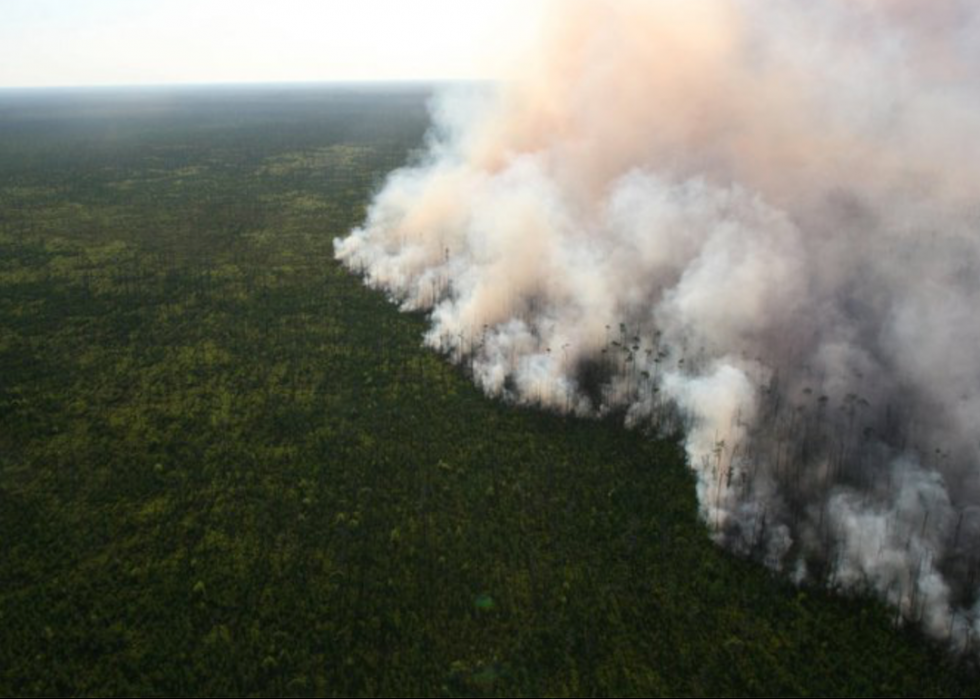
(228, 468)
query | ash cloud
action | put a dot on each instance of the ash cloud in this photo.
(755, 222)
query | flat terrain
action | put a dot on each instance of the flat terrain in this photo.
(228, 468)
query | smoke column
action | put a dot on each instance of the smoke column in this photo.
(751, 223)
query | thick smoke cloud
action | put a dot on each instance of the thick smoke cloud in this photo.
(754, 222)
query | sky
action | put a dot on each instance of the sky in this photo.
(137, 42)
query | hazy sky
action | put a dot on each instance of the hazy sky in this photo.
(112, 42)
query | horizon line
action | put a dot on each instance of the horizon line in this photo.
(338, 82)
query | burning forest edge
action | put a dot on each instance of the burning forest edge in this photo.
(678, 213)
(228, 468)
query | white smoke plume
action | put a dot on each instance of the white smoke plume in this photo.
(755, 222)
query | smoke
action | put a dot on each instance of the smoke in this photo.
(752, 222)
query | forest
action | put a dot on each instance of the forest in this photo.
(227, 467)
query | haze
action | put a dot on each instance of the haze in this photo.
(138, 42)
